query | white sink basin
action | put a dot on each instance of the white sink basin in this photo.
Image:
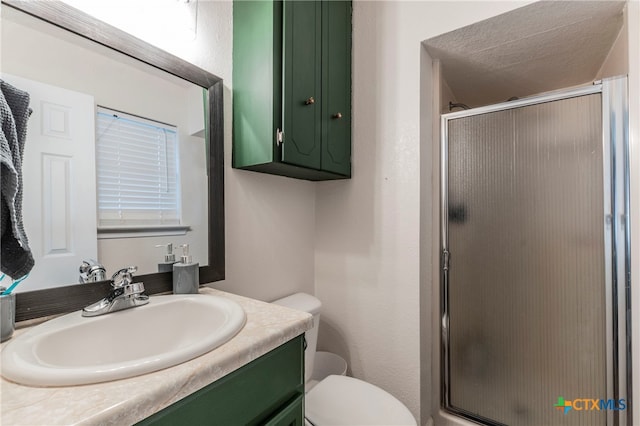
(75, 350)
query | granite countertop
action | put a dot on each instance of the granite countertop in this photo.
(130, 400)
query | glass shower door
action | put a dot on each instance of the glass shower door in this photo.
(526, 275)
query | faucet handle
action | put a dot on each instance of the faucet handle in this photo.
(123, 277)
(92, 271)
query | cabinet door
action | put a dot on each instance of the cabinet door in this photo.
(257, 68)
(336, 87)
(302, 83)
(252, 395)
(291, 415)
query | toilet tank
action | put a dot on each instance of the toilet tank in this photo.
(307, 303)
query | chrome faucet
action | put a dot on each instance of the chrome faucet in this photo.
(124, 294)
(91, 271)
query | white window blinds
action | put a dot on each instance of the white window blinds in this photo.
(137, 171)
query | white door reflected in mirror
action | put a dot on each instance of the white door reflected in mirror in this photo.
(59, 207)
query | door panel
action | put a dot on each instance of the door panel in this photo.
(59, 170)
(526, 280)
(336, 87)
(302, 83)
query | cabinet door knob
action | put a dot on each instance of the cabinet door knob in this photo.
(337, 115)
(310, 101)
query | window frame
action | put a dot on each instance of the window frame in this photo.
(151, 229)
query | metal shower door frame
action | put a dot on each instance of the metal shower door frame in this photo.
(616, 231)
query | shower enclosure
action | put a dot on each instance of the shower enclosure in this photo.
(535, 254)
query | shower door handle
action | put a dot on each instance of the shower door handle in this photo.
(445, 324)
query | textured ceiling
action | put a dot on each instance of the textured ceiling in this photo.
(544, 46)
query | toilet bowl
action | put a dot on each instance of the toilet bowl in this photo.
(341, 400)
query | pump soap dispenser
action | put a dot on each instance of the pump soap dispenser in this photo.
(186, 274)
(169, 258)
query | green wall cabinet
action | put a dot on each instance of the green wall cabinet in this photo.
(268, 391)
(292, 88)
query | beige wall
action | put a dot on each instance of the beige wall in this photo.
(269, 219)
(368, 250)
(376, 263)
(368, 255)
(617, 60)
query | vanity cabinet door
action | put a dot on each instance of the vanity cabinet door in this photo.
(291, 415)
(261, 392)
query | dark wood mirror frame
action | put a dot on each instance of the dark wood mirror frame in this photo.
(59, 300)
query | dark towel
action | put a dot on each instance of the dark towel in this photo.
(16, 259)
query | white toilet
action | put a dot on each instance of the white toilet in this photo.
(340, 400)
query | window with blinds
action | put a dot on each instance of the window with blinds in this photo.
(137, 172)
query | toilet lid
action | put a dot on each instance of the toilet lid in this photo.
(340, 400)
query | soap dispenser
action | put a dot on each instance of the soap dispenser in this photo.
(169, 258)
(186, 274)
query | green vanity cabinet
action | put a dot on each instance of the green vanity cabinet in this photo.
(292, 88)
(267, 391)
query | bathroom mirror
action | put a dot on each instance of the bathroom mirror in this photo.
(161, 81)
